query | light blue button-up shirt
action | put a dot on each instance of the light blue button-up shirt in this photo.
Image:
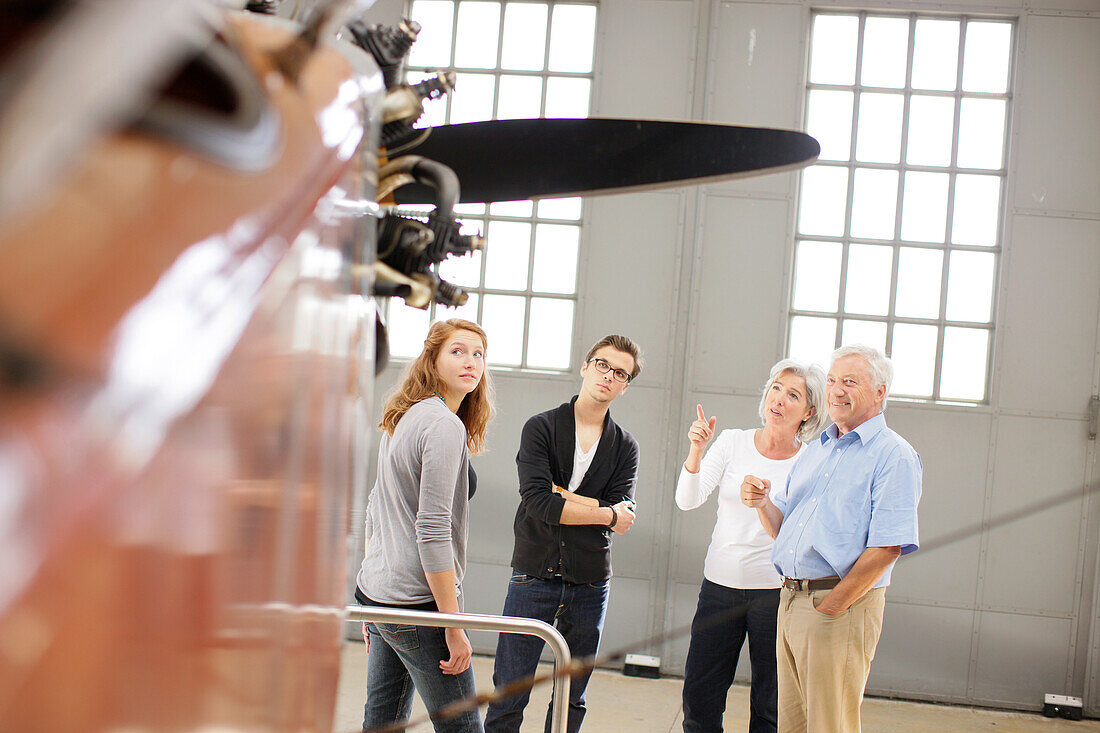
(847, 493)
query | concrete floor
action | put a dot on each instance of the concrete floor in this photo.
(618, 703)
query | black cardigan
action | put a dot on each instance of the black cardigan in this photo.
(545, 458)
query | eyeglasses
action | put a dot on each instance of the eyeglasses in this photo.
(603, 368)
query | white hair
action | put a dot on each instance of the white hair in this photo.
(879, 365)
(814, 378)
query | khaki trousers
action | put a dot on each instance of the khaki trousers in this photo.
(823, 661)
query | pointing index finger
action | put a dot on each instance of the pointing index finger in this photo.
(702, 416)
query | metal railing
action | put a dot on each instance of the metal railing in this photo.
(484, 622)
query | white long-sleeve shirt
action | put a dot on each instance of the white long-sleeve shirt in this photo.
(740, 549)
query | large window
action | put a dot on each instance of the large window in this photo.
(899, 229)
(512, 60)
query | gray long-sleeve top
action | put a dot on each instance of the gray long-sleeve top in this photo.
(417, 511)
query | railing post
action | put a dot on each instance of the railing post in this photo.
(485, 622)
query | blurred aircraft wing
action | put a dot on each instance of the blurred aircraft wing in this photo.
(509, 160)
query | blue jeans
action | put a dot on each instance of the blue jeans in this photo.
(400, 657)
(722, 620)
(577, 610)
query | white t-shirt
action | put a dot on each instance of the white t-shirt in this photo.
(740, 549)
(581, 461)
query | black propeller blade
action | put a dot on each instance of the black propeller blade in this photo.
(509, 160)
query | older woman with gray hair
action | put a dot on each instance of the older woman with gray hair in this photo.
(740, 592)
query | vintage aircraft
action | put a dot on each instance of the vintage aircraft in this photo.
(196, 214)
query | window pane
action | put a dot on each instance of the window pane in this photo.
(817, 276)
(935, 54)
(466, 312)
(885, 47)
(833, 55)
(407, 328)
(435, 113)
(507, 254)
(511, 208)
(920, 272)
(914, 356)
(821, 205)
(981, 133)
(986, 57)
(523, 251)
(568, 209)
(567, 97)
(433, 43)
(519, 98)
(931, 120)
(470, 209)
(924, 207)
(970, 286)
(524, 37)
(867, 286)
(572, 32)
(829, 121)
(550, 333)
(556, 247)
(869, 333)
(965, 356)
(435, 110)
(945, 113)
(502, 318)
(878, 132)
(874, 203)
(415, 209)
(977, 203)
(473, 98)
(475, 226)
(477, 34)
(813, 339)
(464, 271)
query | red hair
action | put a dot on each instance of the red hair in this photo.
(422, 381)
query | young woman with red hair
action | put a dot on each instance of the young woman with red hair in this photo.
(417, 527)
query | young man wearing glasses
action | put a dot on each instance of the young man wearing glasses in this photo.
(577, 471)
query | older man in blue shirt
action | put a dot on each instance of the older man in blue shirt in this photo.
(847, 513)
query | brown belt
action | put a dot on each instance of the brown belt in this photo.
(803, 584)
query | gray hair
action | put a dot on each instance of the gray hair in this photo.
(879, 365)
(814, 378)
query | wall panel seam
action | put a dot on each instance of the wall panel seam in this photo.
(717, 193)
(983, 608)
(1055, 214)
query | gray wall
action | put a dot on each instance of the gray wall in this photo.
(1002, 603)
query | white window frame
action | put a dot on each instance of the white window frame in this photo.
(483, 220)
(896, 243)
